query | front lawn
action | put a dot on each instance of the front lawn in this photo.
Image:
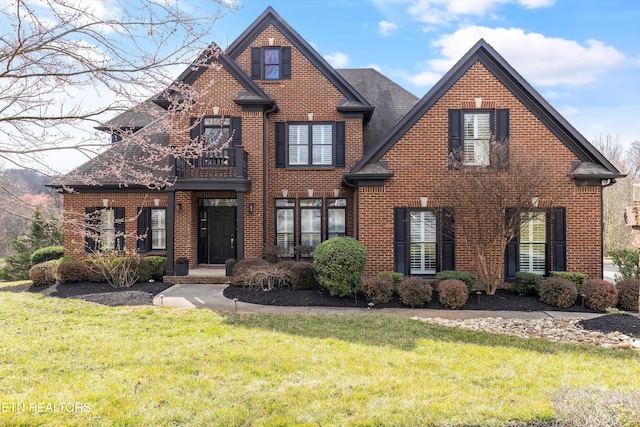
(71, 362)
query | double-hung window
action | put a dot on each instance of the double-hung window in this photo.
(158, 229)
(271, 63)
(285, 225)
(533, 242)
(336, 218)
(423, 257)
(477, 136)
(310, 222)
(105, 228)
(310, 144)
(216, 134)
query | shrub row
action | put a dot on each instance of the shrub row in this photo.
(119, 271)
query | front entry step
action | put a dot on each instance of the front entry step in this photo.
(194, 280)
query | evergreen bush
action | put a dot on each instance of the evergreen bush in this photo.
(453, 293)
(415, 291)
(526, 284)
(340, 263)
(558, 291)
(157, 267)
(599, 294)
(468, 278)
(71, 271)
(378, 290)
(628, 290)
(43, 274)
(47, 253)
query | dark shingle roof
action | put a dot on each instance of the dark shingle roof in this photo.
(135, 118)
(390, 100)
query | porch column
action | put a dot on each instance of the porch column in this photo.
(240, 226)
(171, 216)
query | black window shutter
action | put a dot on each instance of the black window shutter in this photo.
(256, 54)
(559, 239)
(142, 243)
(400, 243)
(455, 138)
(340, 144)
(280, 144)
(118, 214)
(502, 136)
(448, 240)
(90, 229)
(194, 130)
(511, 253)
(285, 54)
(236, 130)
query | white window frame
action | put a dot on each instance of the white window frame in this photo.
(423, 242)
(533, 243)
(476, 145)
(159, 232)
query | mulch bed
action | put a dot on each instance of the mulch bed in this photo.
(143, 293)
(503, 300)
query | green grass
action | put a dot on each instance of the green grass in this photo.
(151, 366)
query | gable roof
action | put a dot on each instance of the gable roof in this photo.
(519, 87)
(254, 94)
(134, 118)
(391, 102)
(354, 101)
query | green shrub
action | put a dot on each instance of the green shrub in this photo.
(628, 290)
(301, 274)
(43, 273)
(65, 258)
(340, 264)
(599, 294)
(626, 260)
(128, 270)
(526, 283)
(468, 278)
(378, 290)
(558, 291)
(577, 278)
(71, 271)
(396, 278)
(415, 291)
(157, 267)
(46, 254)
(453, 293)
(246, 266)
(94, 274)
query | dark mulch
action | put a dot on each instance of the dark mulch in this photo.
(503, 300)
(101, 293)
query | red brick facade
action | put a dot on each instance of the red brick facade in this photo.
(418, 162)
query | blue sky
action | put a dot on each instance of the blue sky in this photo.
(583, 56)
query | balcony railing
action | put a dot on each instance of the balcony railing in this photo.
(230, 164)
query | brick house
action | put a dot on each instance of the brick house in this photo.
(316, 153)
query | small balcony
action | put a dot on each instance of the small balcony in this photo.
(213, 165)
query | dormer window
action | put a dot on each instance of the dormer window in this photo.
(271, 63)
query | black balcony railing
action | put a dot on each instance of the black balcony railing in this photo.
(230, 164)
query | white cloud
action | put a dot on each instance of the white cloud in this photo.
(337, 60)
(544, 61)
(444, 11)
(425, 78)
(385, 27)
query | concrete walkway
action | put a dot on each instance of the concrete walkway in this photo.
(211, 297)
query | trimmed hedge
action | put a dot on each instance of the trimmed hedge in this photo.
(300, 274)
(466, 277)
(558, 291)
(526, 284)
(415, 291)
(378, 290)
(72, 271)
(628, 290)
(599, 294)
(157, 267)
(340, 264)
(575, 277)
(43, 273)
(453, 293)
(46, 254)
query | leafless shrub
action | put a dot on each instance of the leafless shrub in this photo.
(266, 277)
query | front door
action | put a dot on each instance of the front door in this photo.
(216, 233)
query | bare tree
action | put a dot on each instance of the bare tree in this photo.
(616, 197)
(491, 203)
(66, 64)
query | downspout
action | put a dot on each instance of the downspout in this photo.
(357, 206)
(264, 172)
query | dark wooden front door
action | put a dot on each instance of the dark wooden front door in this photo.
(216, 234)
